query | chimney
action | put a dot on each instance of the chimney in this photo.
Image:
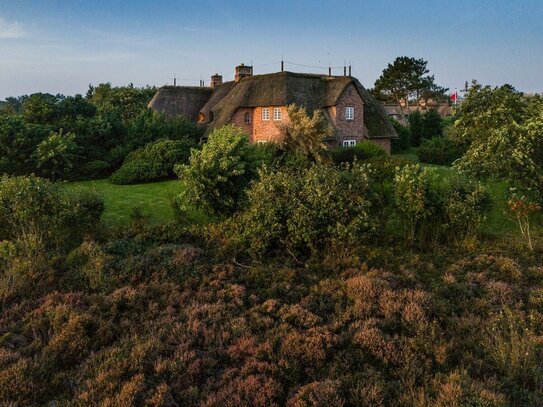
(243, 71)
(216, 80)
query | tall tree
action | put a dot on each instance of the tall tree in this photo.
(407, 78)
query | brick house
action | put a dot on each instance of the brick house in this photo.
(258, 105)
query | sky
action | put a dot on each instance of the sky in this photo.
(62, 46)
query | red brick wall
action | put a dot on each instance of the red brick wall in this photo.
(262, 130)
(348, 129)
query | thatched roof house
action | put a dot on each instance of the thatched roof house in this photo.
(258, 105)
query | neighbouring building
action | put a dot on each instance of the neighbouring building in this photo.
(258, 105)
(399, 111)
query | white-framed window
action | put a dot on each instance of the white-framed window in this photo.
(349, 113)
(349, 143)
(247, 118)
(277, 114)
(261, 141)
(265, 113)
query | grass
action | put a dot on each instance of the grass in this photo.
(152, 200)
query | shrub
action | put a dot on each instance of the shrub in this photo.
(362, 151)
(433, 209)
(93, 169)
(302, 212)
(438, 150)
(217, 175)
(425, 126)
(31, 206)
(135, 172)
(154, 161)
(403, 142)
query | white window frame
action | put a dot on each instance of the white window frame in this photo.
(265, 114)
(349, 143)
(277, 115)
(349, 113)
(261, 141)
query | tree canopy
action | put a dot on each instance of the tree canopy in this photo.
(406, 78)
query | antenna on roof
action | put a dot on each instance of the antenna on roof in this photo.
(329, 65)
(282, 63)
(174, 80)
(344, 68)
(350, 68)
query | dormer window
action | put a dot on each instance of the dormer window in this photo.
(265, 113)
(349, 113)
(247, 118)
(277, 114)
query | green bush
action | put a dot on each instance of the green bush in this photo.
(432, 209)
(93, 170)
(154, 161)
(303, 212)
(403, 142)
(33, 208)
(438, 150)
(362, 151)
(217, 175)
(425, 126)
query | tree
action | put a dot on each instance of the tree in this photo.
(501, 132)
(56, 154)
(217, 176)
(125, 101)
(41, 108)
(306, 134)
(404, 79)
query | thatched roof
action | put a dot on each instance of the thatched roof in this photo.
(184, 101)
(307, 90)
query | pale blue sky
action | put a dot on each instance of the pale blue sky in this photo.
(60, 46)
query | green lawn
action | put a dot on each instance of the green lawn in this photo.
(153, 200)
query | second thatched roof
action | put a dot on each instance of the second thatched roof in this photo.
(286, 88)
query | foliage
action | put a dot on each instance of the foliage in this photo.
(512, 151)
(149, 126)
(127, 101)
(154, 161)
(149, 317)
(432, 209)
(403, 142)
(217, 175)
(523, 207)
(303, 212)
(32, 208)
(306, 133)
(56, 155)
(425, 126)
(405, 78)
(438, 150)
(362, 151)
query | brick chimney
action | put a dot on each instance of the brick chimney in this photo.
(243, 71)
(216, 80)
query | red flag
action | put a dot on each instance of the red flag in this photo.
(454, 97)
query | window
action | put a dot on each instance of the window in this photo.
(247, 118)
(349, 143)
(261, 141)
(277, 113)
(349, 113)
(265, 113)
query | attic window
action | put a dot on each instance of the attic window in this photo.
(349, 113)
(277, 114)
(349, 143)
(247, 118)
(265, 114)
